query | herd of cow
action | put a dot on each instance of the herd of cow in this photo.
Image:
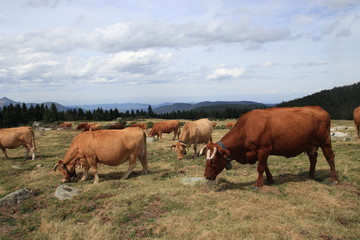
(257, 134)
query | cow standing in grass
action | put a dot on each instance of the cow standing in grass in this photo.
(168, 126)
(15, 137)
(193, 132)
(109, 147)
(284, 132)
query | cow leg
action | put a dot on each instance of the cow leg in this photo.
(329, 155)
(96, 176)
(27, 150)
(195, 148)
(313, 159)
(86, 174)
(30, 149)
(4, 151)
(261, 168)
(132, 165)
(93, 165)
(269, 177)
(32, 153)
(144, 162)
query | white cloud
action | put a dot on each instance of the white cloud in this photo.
(226, 73)
(267, 64)
(141, 35)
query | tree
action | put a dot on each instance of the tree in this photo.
(150, 112)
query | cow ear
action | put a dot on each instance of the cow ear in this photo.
(224, 153)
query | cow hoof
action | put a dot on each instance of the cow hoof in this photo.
(257, 188)
(334, 183)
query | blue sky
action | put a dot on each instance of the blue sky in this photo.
(85, 52)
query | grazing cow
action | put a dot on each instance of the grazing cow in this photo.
(109, 147)
(357, 120)
(92, 127)
(230, 124)
(117, 126)
(140, 125)
(15, 137)
(65, 125)
(194, 132)
(165, 127)
(81, 125)
(275, 131)
(95, 127)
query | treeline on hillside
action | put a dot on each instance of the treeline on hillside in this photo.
(18, 115)
(340, 102)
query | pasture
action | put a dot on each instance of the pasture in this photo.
(158, 206)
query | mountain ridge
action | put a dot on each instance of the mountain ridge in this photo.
(158, 108)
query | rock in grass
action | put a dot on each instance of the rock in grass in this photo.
(16, 197)
(192, 181)
(65, 192)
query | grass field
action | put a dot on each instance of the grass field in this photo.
(158, 206)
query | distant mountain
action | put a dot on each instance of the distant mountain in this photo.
(340, 102)
(207, 105)
(6, 101)
(120, 106)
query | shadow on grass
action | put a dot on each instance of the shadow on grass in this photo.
(321, 176)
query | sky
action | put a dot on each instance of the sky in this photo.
(153, 51)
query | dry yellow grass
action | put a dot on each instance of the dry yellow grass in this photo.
(157, 206)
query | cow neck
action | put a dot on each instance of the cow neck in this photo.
(69, 158)
(221, 144)
(230, 145)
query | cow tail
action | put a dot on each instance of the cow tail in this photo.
(144, 156)
(145, 147)
(33, 139)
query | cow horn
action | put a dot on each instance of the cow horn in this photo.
(172, 147)
(55, 167)
(212, 155)
(202, 150)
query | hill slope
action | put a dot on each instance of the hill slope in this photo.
(340, 102)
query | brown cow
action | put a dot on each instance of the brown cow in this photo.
(81, 125)
(357, 120)
(15, 137)
(140, 125)
(117, 126)
(65, 125)
(230, 124)
(168, 126)
(275, 131)
(92, 127)
(194, 132)
(109, 147)
(95, 127)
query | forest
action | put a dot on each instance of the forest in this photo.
(340, 102)
(18, 115)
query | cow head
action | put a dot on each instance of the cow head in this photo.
(216, 159)
(67, 170)
(180, 148)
